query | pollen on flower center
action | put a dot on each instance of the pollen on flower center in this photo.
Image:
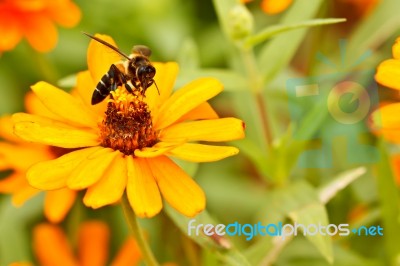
(127, 124)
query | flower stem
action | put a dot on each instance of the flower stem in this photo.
(131, 218)
(255, 83)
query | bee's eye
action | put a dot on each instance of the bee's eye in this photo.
(150, 71)
(146, 71)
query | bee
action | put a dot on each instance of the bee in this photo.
(137, 71)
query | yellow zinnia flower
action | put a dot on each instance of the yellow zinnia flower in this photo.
(51, 247)
(17, 156)
(385, 120)
(395, 162)
(273, 7)
(35, 20)
(125, 142)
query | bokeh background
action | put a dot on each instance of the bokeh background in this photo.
(267, 181)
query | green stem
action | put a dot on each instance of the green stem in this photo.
(255, 82)
(130, 217)
(45, 67)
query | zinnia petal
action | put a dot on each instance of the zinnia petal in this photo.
(166, 74)
(202, 153)
(53, 174)
(91, 168)
(391, 135)
(34, 106)
(385, 122)
(93, 243)
(129, 254)
(51, 246)
(17, 185)
(12, 182)
(396, 49)
(142, 190)
(51, 132)
(386, 117)
(395, 161)
(275, 6)
(10, 30)
(29, 5)
(40, 32)
(158, 149)
(178, 189)
(21, 264)
(85, 87)
(23, 194)
(201, 112)
(7, 129)
(100, 57)
(110, 188)
(186, 99)
(223, 129)
(57, 204)
(31, 154)
(388, 74)
(3, 164)
(65, 13)
(64, 105)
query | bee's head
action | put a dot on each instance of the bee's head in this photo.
(145, 74)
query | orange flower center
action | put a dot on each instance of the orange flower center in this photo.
(127, 124)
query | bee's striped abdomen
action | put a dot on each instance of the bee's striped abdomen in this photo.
(109, 82)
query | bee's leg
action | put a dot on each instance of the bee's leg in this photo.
(134, 83)
(128, 88)
(117, 77)
(108, 83)
(120, 79)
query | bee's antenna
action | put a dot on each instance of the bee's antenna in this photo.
(157, 87)
(106, 44)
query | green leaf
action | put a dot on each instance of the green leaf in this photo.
(222, 248)
(300, 253)
(272, 31)
(327, 192)
(315, 214)
(248, 147)
(276, 54)
(389, 202)
(372, 32)
(300, 202)
(247, 109)
(283, 156)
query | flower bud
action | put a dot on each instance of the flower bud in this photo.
(240, 22)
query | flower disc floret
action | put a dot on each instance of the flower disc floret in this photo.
(127, 124)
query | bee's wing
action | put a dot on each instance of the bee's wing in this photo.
(100, 57)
